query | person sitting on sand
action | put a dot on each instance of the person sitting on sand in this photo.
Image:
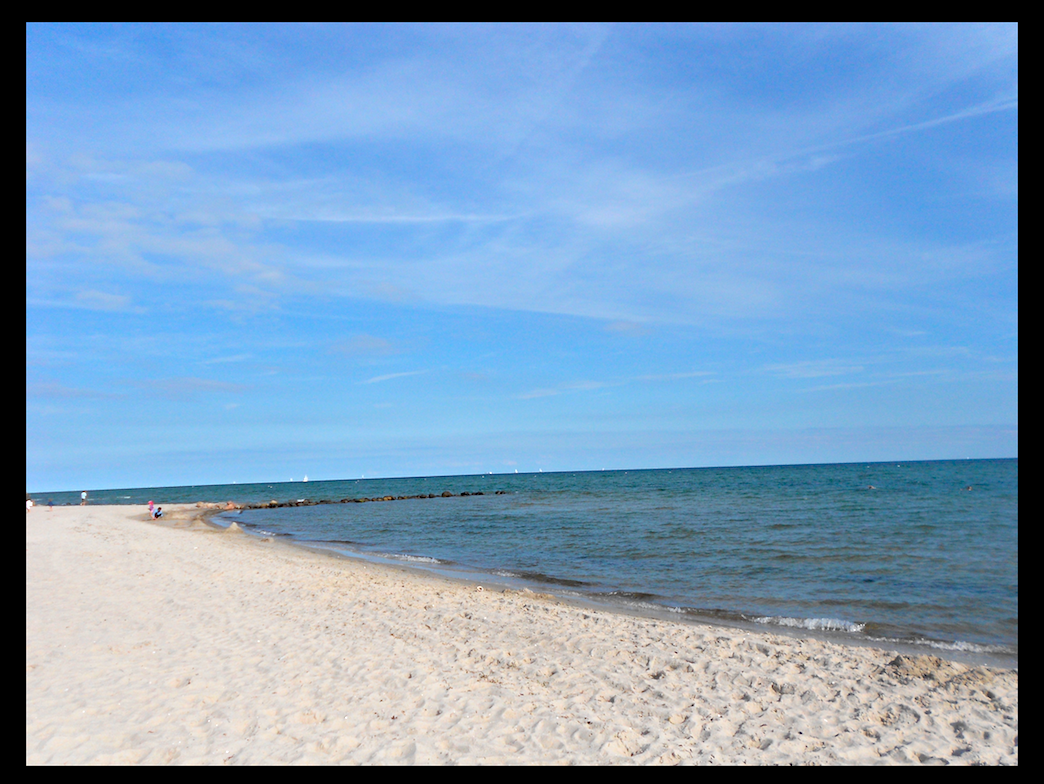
(158, 513)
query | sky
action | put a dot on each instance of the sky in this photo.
(263, 252)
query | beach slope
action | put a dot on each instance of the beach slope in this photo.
(183, 644)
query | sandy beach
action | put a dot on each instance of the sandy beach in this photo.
(179, 643)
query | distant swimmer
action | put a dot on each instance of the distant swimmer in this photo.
(968, 487)
(870, 487)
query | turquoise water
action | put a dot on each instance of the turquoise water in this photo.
(922, 553)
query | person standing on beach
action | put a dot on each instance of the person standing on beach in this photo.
(28, 505)
(83, 498)
(152, 509)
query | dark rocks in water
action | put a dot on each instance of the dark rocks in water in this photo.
(273, 504)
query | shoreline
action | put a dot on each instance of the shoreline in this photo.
(182, 642)
(654, 612)
(975, 654)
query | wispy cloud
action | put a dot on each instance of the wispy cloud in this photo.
(814, 368)
(1003, 104)
(365, 345)
(56, 391)
(592, 386)
(391, 376)
(102, 300)
(557, 216)
(187, 386)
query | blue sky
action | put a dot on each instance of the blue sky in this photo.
(255, 253)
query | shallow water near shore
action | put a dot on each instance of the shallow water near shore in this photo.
(922, 554)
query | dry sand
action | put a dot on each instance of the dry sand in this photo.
(177, 643)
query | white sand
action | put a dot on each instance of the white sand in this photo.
(153, 644)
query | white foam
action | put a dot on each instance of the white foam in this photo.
(812, 624)
(415, 558)
(960, 645)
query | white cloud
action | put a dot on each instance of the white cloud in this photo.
(102, 300)
(391, 376)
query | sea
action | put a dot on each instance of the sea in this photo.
(921, 556)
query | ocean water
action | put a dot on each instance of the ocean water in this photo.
(921, 554)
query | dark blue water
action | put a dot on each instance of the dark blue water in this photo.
(922, 553)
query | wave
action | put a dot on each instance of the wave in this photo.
(812, 624)
(959, 646)
(425, 559)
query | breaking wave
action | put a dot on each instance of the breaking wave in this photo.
(812, 624)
